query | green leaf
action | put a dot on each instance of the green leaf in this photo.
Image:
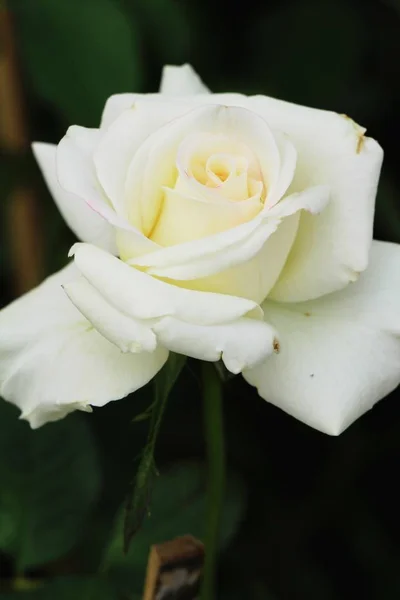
(178, 507)
(91, 51)
(49, 482)
(139, 498)
(70, 588)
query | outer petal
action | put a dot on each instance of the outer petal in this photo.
(141, 296)
(119, 103)
(52, 361)
(339, 354)
(181, 81)
(175, 81)
(241, 344)
(87, 225)
(115, 105)
(332, 150)
(76, 174)
(128, 334)
(198, 324)
(119, 143)
(75, 170)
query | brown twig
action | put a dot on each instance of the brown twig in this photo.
(21, 222)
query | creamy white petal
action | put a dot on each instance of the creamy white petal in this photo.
(181, 81)
(254, 278)
(201, 153)
(331, 150)
(114, 152)
(339, 354)
(210, 255)
(75, 169)
(313, 200)
(77, 175)
(138, 295)
(76, 172)
(130, 242)
(87, 225)
(240, 344)
(52, 361)
(183, 218)
(214, 254)
(288, 161)
(115, 105)
(119, 143)
(119, 103)
(334, 151)
(154, 164)
(128, 334)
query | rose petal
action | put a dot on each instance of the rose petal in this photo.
(77, 175)
(339, 354)
(140, 296)
(154, 164)
(128, 334)
(254, 278)
(240, 344)
(214, 254)
(181, 81)
(332, 150)
(115, 105)
(120, 142)
(197, 153)
(176, 81)
(75, 170)
(288, 161)
(87, 225)
(53, 362)
(183, 219)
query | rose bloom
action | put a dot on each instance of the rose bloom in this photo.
(218, 226)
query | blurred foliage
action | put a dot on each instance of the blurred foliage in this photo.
(141, 492)
(90, 52)
(178, 507)
(307, 516)
(41, 513)
(67, 588)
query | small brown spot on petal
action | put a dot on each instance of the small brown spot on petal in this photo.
(359, 131)
(307, 314)
(276, 345)
(360, 142)
(353, 276)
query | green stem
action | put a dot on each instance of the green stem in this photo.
(214, 436)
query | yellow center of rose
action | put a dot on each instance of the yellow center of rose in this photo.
(218, 186)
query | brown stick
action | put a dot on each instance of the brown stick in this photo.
(22, 215)
(174, 570)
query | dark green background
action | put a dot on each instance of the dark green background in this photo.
(307, 516)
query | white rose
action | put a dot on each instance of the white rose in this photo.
(216, 226)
